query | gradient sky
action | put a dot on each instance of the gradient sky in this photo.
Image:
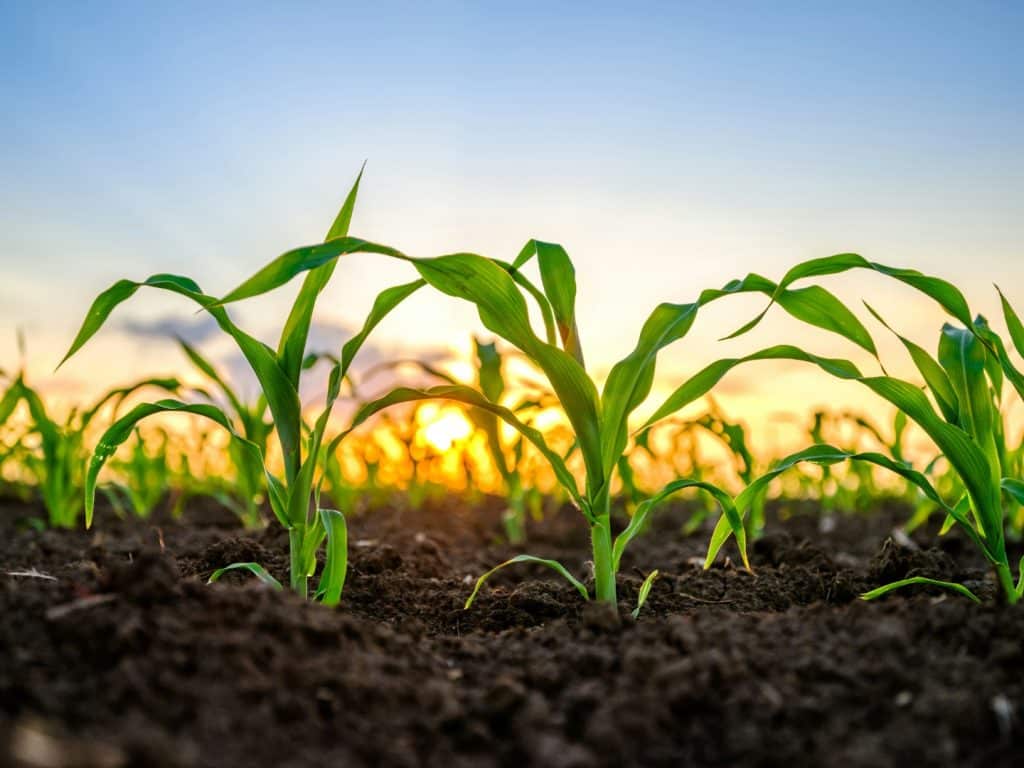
(669, 147)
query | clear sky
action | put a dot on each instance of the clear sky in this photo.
(669, 147)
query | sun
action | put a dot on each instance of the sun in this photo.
(443, 426)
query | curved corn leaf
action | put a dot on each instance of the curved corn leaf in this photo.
(630, 380)
(282, 396)
(946, 294)
(332, 580)
(255, 569)
(638, 521)
(12, 396)
(303, 259)
(703, 381)
(886, 589)
(970, 461)
(1014, 488)
(553, 564)
(826, 455)
(120, 394)
(998, 355)
(818, 307)
(934, 374)
(122, 429)
(645, 591)
(992, 364)
(1013, 323)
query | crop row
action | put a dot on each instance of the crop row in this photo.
(958, 399)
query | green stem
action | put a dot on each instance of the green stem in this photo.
(601, 542)
(1006, 582)
(297, 574)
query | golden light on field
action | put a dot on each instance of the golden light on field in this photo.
(443, 426)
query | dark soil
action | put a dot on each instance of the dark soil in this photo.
(114, 652)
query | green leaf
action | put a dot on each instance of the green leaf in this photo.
(122, 429)
(702, 382)
(962, 355)
(10, 400)
(630, 380)
(281, 394)
(1015, 489)
(1013, 323)
(553, 564)
(826, 455)
(645, 591)
(943, 292)
(255, 569)
(818, 307)
(934, 375)
(558, 276)
(884, 590)
(294, 335)
(120, 394)
(638, 521)
(298, 260)
(332, 580)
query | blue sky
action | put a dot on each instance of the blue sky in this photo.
(670, 147)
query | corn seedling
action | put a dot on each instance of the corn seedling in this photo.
(53, 451)
(965, 380)
(295, 497)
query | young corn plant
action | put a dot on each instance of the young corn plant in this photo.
(599, 420)
(294, 498)
(53, 450)
(965, 381)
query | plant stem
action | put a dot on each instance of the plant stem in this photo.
(601, 542)
(297, 573)
(1006, 582)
